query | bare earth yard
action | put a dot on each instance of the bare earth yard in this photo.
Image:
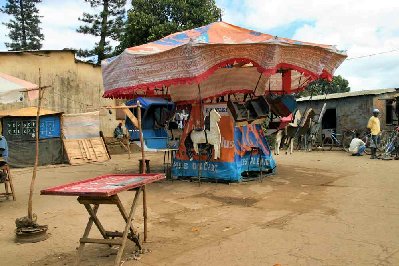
(321, 208)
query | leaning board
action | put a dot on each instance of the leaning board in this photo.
(81, 151)
(103, 186)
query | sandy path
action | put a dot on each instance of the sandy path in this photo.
(322, 208)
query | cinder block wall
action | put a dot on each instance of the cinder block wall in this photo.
(352, 112)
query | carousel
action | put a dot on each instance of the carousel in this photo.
(230, 80)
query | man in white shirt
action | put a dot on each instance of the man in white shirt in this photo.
(357, 146)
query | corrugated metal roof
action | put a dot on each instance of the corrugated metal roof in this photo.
(39, 51)
(347, 94)
(28, 111)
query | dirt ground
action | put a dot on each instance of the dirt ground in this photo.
(321, 208)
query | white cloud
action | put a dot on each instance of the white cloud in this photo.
(360, 27)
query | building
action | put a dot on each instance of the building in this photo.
(75, 86)
(19, 129)
(352, 110)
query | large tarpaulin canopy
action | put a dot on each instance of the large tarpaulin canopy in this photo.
(12, 88)
(222, 59)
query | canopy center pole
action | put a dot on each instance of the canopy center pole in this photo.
(202, 122)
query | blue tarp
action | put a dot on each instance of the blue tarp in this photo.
(154, 138)
(49, 127)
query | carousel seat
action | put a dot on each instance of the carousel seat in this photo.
(238, 110)
(282, 105)
(260, 106)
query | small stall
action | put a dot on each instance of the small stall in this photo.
(156, 113)
(18, 127)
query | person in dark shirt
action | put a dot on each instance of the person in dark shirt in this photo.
(118, 132)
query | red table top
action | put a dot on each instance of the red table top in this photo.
(103, 186)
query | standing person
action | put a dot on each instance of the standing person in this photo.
(357, 146)
(375, 129)
(3, 157)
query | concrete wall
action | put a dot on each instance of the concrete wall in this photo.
(352, 112)
(75, 86)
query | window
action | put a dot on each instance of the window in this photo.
(330, 119)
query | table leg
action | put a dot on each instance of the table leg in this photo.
(127, 226)
(11, 186)
(164, 161)
(6, 188)
(86, 234)
(96, 220)
(6, 184)
(145, 212)
(122, 210)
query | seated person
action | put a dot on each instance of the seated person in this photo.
(118, 132)
(357, 146)
(3, 157)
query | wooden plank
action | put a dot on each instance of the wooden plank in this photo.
(121, 107)
(86, 147)
(143, 169)
(97, 200)
(132, 118)
(93, 149)
(114, 234)
(101, 241)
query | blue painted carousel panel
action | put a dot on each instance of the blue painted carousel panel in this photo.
(253, 163)
(49, 127)
(153, 139)
(213, 170)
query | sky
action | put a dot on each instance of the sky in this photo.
(367, 29)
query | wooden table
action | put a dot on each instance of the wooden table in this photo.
(104, 190)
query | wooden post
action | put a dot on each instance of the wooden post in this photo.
(143, 169)
(32, 183)
(128, 142)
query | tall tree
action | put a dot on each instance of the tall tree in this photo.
(322, 86)
(24, 30)
(149, 20)
(105, 24)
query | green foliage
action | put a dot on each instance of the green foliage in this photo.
(105, 24)
(150, 20)
(24, 30)
(322, 86)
